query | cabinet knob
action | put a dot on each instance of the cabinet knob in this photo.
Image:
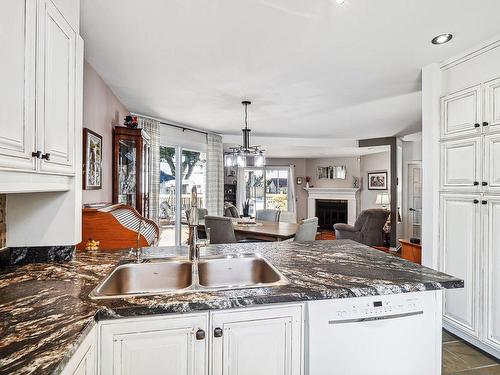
(476, 125)
(475, 201)
(484, 202)
(200, 334)
(476, 183)
(46, 156)
(485, 123)
(484, 183)
(218, 332)
(37, 154)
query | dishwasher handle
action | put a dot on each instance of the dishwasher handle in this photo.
(375, 318)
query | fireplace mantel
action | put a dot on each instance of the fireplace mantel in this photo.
(348, 194)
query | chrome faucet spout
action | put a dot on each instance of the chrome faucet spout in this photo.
(193, 227)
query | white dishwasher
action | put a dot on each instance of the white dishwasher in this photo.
(397, 334)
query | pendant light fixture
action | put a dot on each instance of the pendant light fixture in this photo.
(239, 155)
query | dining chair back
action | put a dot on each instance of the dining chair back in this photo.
(307, 230)
(267, 215)
(288, 217)
(220, 229)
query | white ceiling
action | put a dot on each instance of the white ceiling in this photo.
(313, 69)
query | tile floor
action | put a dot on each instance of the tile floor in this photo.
(460, 358)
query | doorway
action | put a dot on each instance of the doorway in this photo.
(414, 214)
(180, 170)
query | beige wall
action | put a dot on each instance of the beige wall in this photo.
(378, 162)
(101, 112)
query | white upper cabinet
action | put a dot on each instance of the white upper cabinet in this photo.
(492, 106)
(17, 121)
(461, 164)
(492, 274)
(55, 90)
(38, 119)
(257, 342)
(170, 345)
(461, 112)
(491, 172)
(459, 257)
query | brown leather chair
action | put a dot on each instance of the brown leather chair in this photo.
(368, 228)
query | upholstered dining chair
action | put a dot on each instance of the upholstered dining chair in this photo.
(368, 228)
(307, 230)
(220, 229)
(230, 210)
(287, 217)
(267, 215)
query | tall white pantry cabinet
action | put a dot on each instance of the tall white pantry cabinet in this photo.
(41, 120)
(468, 190)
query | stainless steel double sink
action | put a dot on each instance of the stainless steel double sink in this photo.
(179, 275)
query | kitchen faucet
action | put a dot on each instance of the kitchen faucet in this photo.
(194, 246)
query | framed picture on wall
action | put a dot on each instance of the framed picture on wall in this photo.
(299, 180)
(377, 180)
(92, 160)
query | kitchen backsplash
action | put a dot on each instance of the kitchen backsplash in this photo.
(3, 229)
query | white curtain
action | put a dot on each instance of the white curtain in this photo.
(292, 204)
(215, 175)
(240, 189)
(152, 128)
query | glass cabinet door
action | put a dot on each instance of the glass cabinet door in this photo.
(127, 172)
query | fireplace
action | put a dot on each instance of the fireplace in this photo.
(331, 211)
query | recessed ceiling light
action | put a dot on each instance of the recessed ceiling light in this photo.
(442, 39)
(340, 2)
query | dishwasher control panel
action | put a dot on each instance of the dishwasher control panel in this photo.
(373, 306)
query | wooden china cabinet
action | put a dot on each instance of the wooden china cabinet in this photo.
(131, 168)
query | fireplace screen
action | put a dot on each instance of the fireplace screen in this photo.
(331, 212)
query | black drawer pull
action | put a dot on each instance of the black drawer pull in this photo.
(200, 334)
(485, 123)
(484, 183)
(475, 201)
(476, 183)
(46, 156)
(484, 202)
(37, 154)
(477, 125)
(218, 332)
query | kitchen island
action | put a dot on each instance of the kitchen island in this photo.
(47, 313)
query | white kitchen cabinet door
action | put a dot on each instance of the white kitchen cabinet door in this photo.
(460, 236)
(461, 113)
(264, 341)
(152, 346)
(492, 106)
(56, 69)
(491, 171)
(83, 362)
(491, 215)
(461, 164)
(17, 121)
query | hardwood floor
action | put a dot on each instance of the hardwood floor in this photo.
(461, 358)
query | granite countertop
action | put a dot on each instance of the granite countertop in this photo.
(46, 311)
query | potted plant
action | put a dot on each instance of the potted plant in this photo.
(246, 207)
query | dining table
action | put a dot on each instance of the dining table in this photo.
(261, 230)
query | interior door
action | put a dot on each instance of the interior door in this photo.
(258, 342)
(17, 129)
(167, 346)
(55, 90)
(414, 214)
(492, 105)
(491, 215)
(491, 172)
(461, 112)
(461, 164)
(460, 226)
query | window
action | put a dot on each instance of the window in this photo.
(267, 187)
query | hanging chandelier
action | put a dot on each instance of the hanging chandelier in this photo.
(238, 155)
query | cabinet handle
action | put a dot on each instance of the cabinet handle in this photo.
(484, 202)
(485, 123)
(200, 334)
(476, 183)
(37, 154)
(484, 183)
(475, 201)
(218, 332)
(46, 156)
(477, 125)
